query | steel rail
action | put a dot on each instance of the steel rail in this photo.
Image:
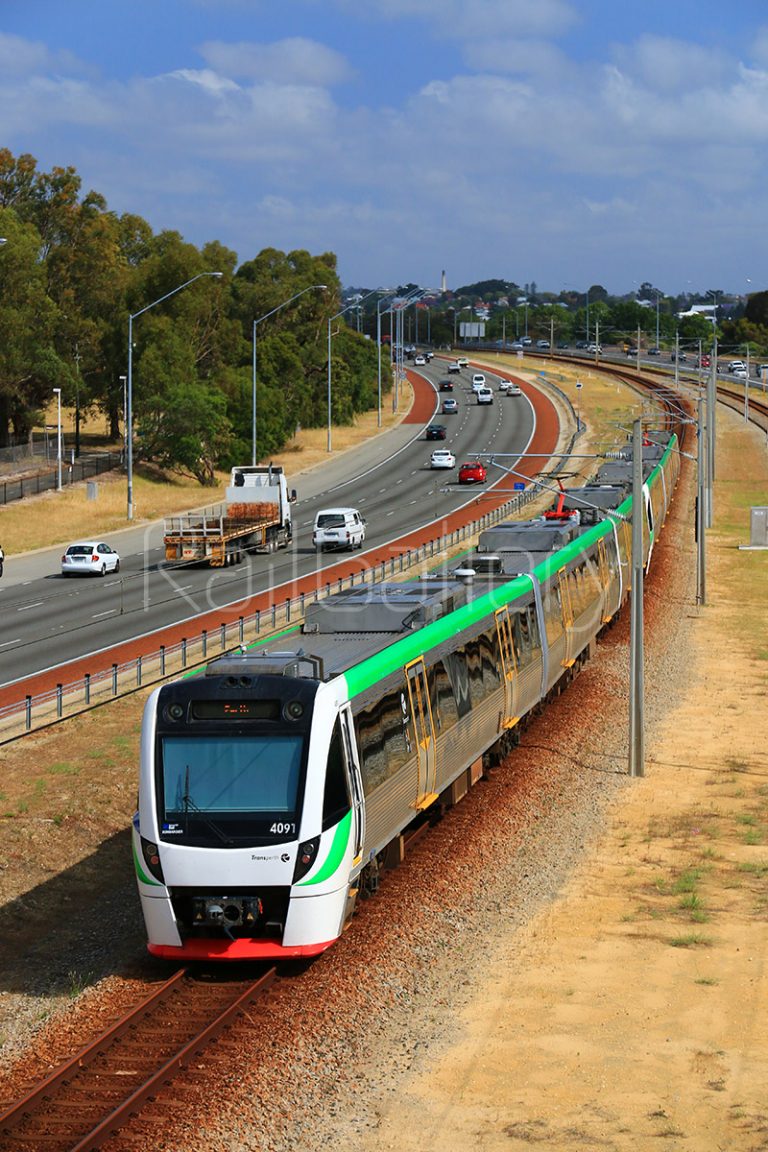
(41, 1099)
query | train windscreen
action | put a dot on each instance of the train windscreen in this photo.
(220, 789)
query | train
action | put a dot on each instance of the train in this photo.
(275, 787)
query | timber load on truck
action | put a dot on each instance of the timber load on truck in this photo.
(255, 517)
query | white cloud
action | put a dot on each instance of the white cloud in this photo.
(206, 79)
(19, 57)
(669, 65)
(759, 46)
(291, 61)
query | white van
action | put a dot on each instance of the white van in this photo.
(338, 528)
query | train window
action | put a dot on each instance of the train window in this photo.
(490, 658)
(458, 674)
(442, 698)
(382, 739)
(336, 801)
(474, 663)
(553, 619)
(521, 626)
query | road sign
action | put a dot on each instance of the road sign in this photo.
(518, 486)
(579, 384)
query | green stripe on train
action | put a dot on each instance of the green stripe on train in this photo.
(401, 652)
(335, 853)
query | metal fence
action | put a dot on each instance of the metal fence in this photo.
(93, 690)
(72, 472)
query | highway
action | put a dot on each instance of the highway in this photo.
(49, 619)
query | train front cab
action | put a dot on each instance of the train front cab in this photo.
(219, 877)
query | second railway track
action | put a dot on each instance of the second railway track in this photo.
(103, 1089)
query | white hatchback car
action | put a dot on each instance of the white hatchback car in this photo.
(484, 396)
(89, 558)
(420, 360)
(442, 458)
(478, 381)
(510, 388)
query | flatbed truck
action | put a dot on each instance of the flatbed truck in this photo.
(255, 517)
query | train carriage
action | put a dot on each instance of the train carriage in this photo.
(274, 787)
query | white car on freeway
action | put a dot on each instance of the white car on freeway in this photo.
(510, 388)
(420, 360)
(478, 381)
(89, 558)
(484, 395)
(442, 458)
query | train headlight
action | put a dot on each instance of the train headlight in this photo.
(305, 858)
(174, 712)
(294, 710)
(151, 854)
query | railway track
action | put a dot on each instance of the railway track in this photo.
(104, 1088)
(756, 410)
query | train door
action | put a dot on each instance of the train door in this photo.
(508, 666)
(566, 607)
(355, 779)
(424, 730)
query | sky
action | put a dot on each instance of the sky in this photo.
(563, 143)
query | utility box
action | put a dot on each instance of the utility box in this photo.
(758, 536)
(91, 490)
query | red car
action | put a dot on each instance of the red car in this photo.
(472, 473)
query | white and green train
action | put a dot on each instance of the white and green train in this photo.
(275, 787)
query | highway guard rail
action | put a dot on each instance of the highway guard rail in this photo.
(32, 713)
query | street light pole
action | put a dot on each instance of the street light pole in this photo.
(129, 388)
(311, 288)
(330, 370)
(125, 416)
(57, 392)
(378, 345)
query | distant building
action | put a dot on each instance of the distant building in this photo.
(443, 284)
(709, 310)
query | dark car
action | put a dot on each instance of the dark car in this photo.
(632, 352)
(654, 351)
(473, 472)
(450, 406)
(445, 385)
(436, 432)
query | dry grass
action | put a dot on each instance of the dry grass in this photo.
(56, 517)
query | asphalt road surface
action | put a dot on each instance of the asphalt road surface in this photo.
(49, 619)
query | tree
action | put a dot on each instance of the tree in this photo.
(756, 310)
(29, 364)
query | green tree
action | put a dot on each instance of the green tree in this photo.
(184, 429)
(29, 364)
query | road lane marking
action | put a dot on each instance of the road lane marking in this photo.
(26, 607)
